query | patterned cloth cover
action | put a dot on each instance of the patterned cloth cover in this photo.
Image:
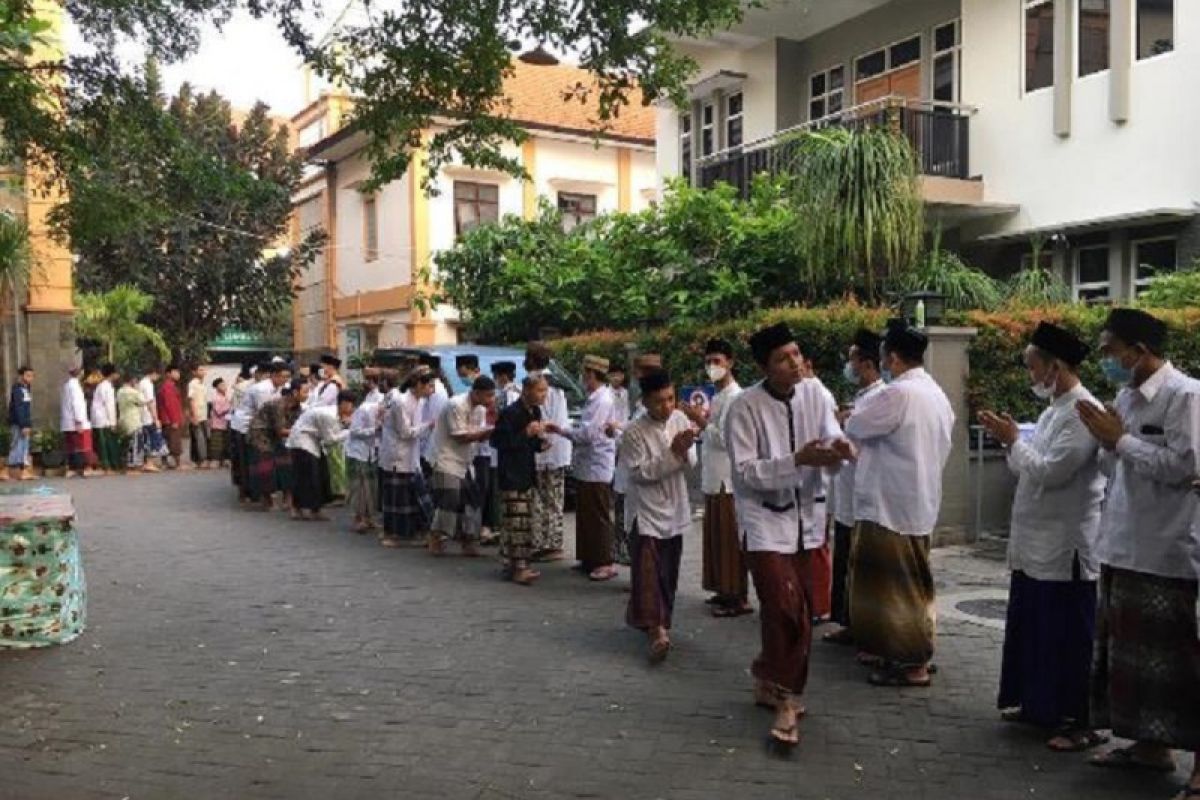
(43, 596)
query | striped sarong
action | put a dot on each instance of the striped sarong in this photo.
(892, 595)
(454, 517)
(361, 484)
(407, 506)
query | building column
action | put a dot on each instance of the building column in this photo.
(1064, 64)
(529, 197)
(624, 179)
(1120, 59)
(947, 361)
(331, 254)
(1120, 272)
(422, 330)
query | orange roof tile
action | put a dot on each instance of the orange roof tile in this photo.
(539, 96)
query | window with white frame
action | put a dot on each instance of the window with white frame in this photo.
(708, 129)
(1095, 18)
(685, 146)
(1155, 28)
(947, 55)
(1039, 44)
(886, 59)
(576, 209)
(734, 120)
(826, 92)
(1092, 282)
(370, 209)
(1152, 257)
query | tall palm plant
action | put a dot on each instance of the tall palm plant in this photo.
(858, 195)
(16, 265)
(112, 318)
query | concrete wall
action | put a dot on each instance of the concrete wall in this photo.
(310, 311)
(394, 265)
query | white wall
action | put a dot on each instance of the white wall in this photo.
(394, 265)
(1102, 169)
(441, 207)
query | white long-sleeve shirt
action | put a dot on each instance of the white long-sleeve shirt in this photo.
(400, 439)
(146, 387)
(315, 428)
(256, 396)
(657, 497)
(104, 405)
(431, 412)
(1056, 510)
(843, 484)
(558, 455)
(74, 416)
(763, 433)
(904, 435)
(1147, 521)
(363, 444)
(595, 450)
(716, 474)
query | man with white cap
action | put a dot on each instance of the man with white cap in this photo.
(75, 426)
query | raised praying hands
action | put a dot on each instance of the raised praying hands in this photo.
(683, 442)
(1104, 424)
(817, 454)
(1002, 427)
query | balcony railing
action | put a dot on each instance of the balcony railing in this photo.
(938, 132)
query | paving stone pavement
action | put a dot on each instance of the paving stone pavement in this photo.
(239, 655)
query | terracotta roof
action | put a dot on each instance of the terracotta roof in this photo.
(536, 96)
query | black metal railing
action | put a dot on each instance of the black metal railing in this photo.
(939, 134)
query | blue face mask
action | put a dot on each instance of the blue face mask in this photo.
(1115, 372)
(849, 373)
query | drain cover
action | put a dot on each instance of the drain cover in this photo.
(988, 609)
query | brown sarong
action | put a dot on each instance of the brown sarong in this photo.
(655, 574)
(724, 566)
(593, 524)
(174, 434)
(1146, 667)
(785, 620)
(892, 595)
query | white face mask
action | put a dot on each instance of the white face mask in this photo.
(1044, 390)
(716, 373)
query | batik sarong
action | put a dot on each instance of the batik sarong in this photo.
(784, 618)
(724, 567)
(516, 524)
(593, 525)
(407, 505)
(550, 491)
(655, 574)
(892, 595)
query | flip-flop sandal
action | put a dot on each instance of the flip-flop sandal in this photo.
(1077, 741)
(897, 679)
(659, 650)
(603, 574)
(527, 577)
(1123, 758)
(724, 612)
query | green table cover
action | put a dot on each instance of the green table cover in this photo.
(43, 596)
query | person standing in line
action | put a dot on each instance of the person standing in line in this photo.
(659, 450)
(152, 438)
(362, 458)
(269, 431)
(457, 506)
(316, 429)
(76, 429)
(218, 423)
(405, 500)
(104, 421)
(1051, 549)
(483, 458)
(777, 431)
(271, 380)
(861, 371)
(724, 568)
(508, 391)
(20, 422)
(904, 430)
(592, 465)
(642, 365)
(552, 463)
(1146, 667)
(241, 385)
(332, 385)
(518, 437)
(170, 416)
(431, 409)
(130, 405)
(197, 412)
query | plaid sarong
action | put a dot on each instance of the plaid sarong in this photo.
(1146, 667)
(407, 506)
(516, 524)
(361, 484)
(455, 516)
(892, 595)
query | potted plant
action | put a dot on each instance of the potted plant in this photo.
(47, 449)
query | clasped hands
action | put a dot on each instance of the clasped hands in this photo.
(819, 454)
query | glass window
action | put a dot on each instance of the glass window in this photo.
(576, 208)
(1094, 20)
(1155, 27)
(370, 228)
(870, 65)
(829, 101)
(945, 37)
(946, 62)
(475, 204)
(905, 52)
(1152, 257)
(733, 120)
(1039, 44)
(816, 86)
(708, 139)
(1091, 274)
(685, 146)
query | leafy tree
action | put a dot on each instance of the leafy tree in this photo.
(113, 319)
(175, 199)
(964, 287)
(16, 266)
(1174, 289)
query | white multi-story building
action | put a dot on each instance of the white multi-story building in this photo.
(1062, 127)
(358, 295)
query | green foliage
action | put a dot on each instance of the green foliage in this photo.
(1035, 286)
(175, 200)
(1174, 289)
(858, 194)
(112, 318)
(941, 271)
(16, 256)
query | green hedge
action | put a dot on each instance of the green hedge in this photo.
(997, 379)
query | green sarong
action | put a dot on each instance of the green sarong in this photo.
(336, 456)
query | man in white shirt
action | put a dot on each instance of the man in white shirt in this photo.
(552, 463)
(1146, 673)
(271, 379)
(862, 371)
(104, 421)
(197, 413)
(362, 457)
(327, 395)
(483, 457)
(622, 415)
(724, 569)
(431, 409)
(316, 429)
(903, 436)
(457, 505)
(1051, 548)
(814, 515)
(76, 428)
(658, 449)
(592, 465)
(508, 391)
(152, 437)
(404, 496)
(777, 431)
